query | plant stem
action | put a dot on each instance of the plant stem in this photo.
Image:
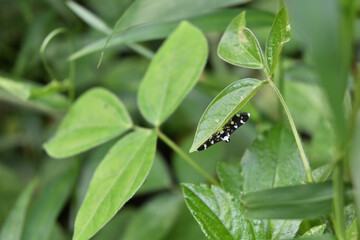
(338, 184)
(304, 159)
(173, 145)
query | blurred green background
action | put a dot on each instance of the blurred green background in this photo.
(26, 123)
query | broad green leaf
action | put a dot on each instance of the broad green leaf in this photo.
(294, 202)
(10, 186)
(351, 232)
(207, 160)
(16, 88)
(154, 220)
(96, 117)
(278, 36)
(13, 227)
(173, 72)
(273, 160)
(185, 227)
(315, 231)
(239, 45)
(158, 178)
(210, 22)
(88, 17)
(225, 105)
(57, 183)
(231, 178)
(156, 11)
(220, 215)
(117, 178)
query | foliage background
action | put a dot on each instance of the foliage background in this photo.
(25, 124)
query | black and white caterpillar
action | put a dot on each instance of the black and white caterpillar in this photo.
(224, 134)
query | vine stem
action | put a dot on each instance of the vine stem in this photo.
(173, 145)
(304, 159)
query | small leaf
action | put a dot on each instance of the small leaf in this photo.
(173, 72)
(228, 102)
(57, 183)
(239, 45)
(16, 88)
(155, 218)
(220, 215)
(13, 227)
(315, 231)
(231, 178)
(96, 117)
(117, 178)
(278, 36)
(294, 202)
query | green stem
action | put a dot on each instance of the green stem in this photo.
(304, 159)
(172, 145)
(338, 184)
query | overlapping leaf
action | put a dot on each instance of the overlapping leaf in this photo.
(96, 117)
(239, 45)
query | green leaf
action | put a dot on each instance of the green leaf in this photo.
(96, 117)
(158, 178)
(315, 231)
(278, 36)
(154, 220)
(145, 12)
(16, 88)
(117, 178)
(227, 103)
(293, 202)
(273, 160)
(239, 45)
(57, 183)
(351, 232)
(88, 17)
(172, 73)
(231, 178)
(13, 227)
(220, 215)
(210, 22)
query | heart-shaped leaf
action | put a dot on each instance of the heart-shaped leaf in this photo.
(228, 102)
(173, 72)
(115, 181)
(96, 117)
(239, 45)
